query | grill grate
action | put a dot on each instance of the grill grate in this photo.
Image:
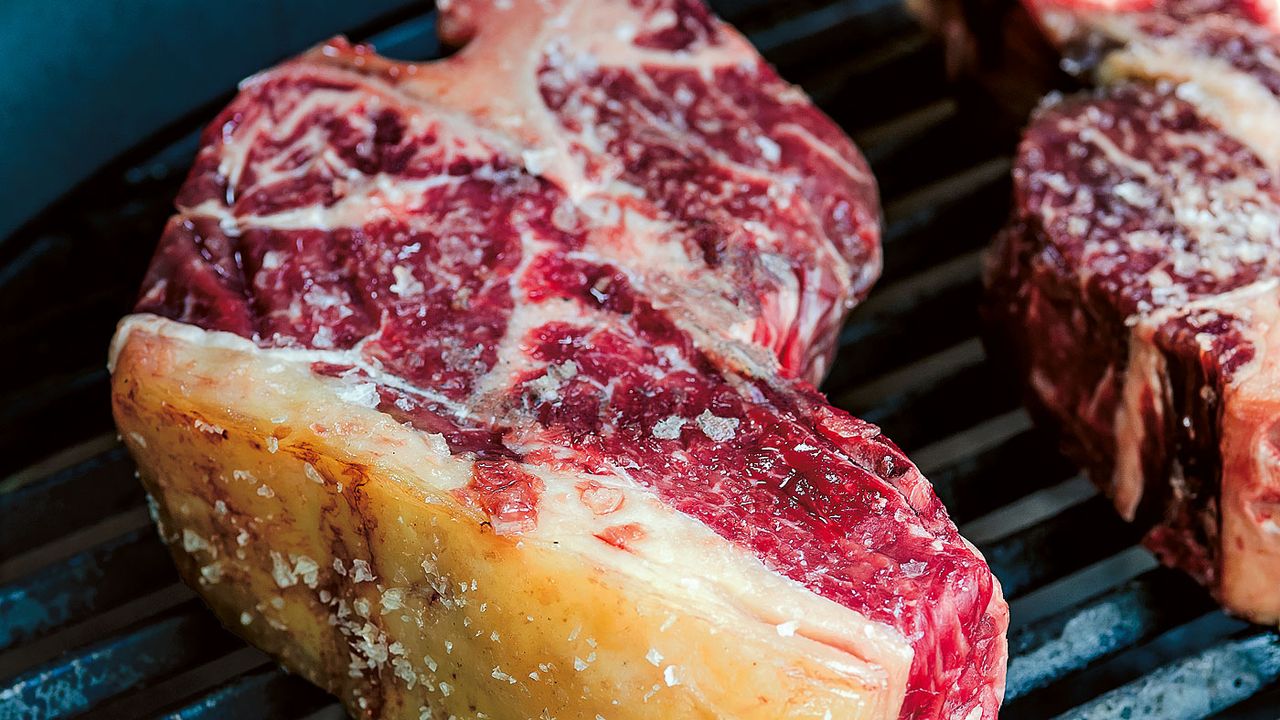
(94, 622)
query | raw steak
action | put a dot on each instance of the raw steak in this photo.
(1137, 282)
(525, 338)
(1224, 51)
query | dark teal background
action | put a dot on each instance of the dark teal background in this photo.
(84, 80)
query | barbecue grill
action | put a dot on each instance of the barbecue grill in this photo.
(95, 623)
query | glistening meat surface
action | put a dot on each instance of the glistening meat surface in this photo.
(604, 240)
(1137, 280)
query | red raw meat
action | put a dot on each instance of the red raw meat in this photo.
(599, 240)
(1137, 280)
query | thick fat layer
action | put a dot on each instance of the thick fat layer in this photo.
(1141, 224)
(611, 289)
(331, 535)
(1250, 504)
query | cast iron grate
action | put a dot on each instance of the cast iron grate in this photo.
(94, 622)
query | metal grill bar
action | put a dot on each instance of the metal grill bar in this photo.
(82, 585)
(263, 692)
(130, 661)
(67, 500)
(94, 624)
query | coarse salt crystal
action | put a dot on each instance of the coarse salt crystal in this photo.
(307, 569)
(281, 571)
(719, 429)
(310, 471)
(668, 428)
(392, 599)
(360, 571)
(405, 285)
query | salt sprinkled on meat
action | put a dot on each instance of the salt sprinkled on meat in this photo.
(788, 628)
(405, 285)
(281, 571)
(365, 394)
(307, 569)
(668, 428)
(314, 475)
(720, 429)
(360, 571)
(546, 388)
(191, 542)
(698, 205)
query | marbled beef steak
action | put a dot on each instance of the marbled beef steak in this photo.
(481, 388)
(1138, 282)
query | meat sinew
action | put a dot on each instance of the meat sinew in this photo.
(1137, 281)
(481, 388)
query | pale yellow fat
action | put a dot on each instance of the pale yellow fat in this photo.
(513, 628)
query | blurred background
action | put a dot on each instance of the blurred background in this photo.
(84, 81)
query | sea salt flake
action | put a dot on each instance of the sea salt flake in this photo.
(361, 607)
(405, 285)
(192, 542)
(310, 471)
(913, 568)
(363, 394)
(668, 428)
(769, 149)
(307, 569)
(392, 599)
(360, 571)
(719, 429)
(210, 428)
(211, 573)
(546, 388)
(281, 571)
